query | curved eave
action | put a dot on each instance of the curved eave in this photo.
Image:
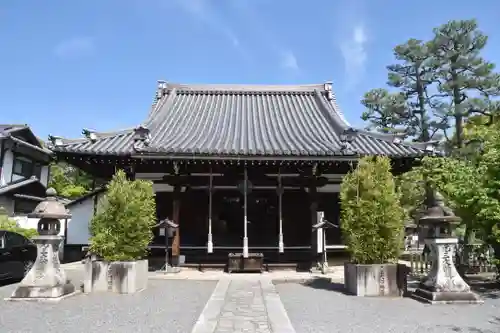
(111, 143)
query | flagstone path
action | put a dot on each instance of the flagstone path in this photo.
(237, 303)
(244, 306)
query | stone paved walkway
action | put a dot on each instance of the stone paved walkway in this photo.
(244, 306)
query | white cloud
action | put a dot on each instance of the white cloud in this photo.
(289, 61)
(204, 12)
(354, 52)
(75, 47)
(287, 58)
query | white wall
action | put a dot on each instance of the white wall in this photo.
(6, 175)
(44, 176)
(8, 161)
(78, 226)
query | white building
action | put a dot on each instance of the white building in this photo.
(24, 172)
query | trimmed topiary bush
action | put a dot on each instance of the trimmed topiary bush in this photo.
(121, 228)
(372, 219)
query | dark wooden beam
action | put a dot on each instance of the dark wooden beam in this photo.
(176, 242)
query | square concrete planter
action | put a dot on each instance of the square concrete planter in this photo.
(124, 277)
(374, 280)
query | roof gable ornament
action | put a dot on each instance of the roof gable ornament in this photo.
(429, 147)
(347, 137)
(90, 135)
(160, 91)
(142, 137)
(55, 140)
(328, 86)
(398, 138)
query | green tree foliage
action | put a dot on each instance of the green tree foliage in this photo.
(407, 107)
(472, 184)
(437, 85)
(372, 217)
(68, 181)
(385, 112)
(121, 229)
(444, 84)
(410, 185)
(9, 224)
(466, 82)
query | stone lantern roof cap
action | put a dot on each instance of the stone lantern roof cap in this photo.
(50, 208)
(438, 213)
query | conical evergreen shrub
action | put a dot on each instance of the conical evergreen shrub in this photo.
(372, 219)
(121, 228)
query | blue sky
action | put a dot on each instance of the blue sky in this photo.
(67, 65)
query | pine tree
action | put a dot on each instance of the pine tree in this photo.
(385, 112)
(466, 82)
(406, 110)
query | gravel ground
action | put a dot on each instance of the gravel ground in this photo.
(165, 306)
(321, 307)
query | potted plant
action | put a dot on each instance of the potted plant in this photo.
(372, 224)
(120, 234)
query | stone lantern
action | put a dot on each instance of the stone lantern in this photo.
(443, 284)
(46, 280)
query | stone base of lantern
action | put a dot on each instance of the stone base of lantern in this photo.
(444, 297)
(46, 281)
(443, 284)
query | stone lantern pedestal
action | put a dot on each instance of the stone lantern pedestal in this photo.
(46, 281)
(443, 284)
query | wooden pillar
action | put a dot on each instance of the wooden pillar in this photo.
(281, 245)
(176, 209)
(210, 243)
(245, 214)
(313, 209)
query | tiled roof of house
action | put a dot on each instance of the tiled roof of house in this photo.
(19, 184)
(11, 127)
(242, 120)
(23, 135)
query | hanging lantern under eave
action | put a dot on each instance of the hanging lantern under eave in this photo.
(241, 186)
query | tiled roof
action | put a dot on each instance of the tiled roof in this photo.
(9, 128)
(108, 143)
(28, 138)
(6, 130)
(242, 120)
(19, 184)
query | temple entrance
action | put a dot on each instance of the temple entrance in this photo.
(263, 224)
(263, 219)
(228, 219)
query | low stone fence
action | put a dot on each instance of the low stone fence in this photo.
(480, 260)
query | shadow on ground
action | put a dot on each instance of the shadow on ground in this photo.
(487, 288)
(323, 284)
(469, 329)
